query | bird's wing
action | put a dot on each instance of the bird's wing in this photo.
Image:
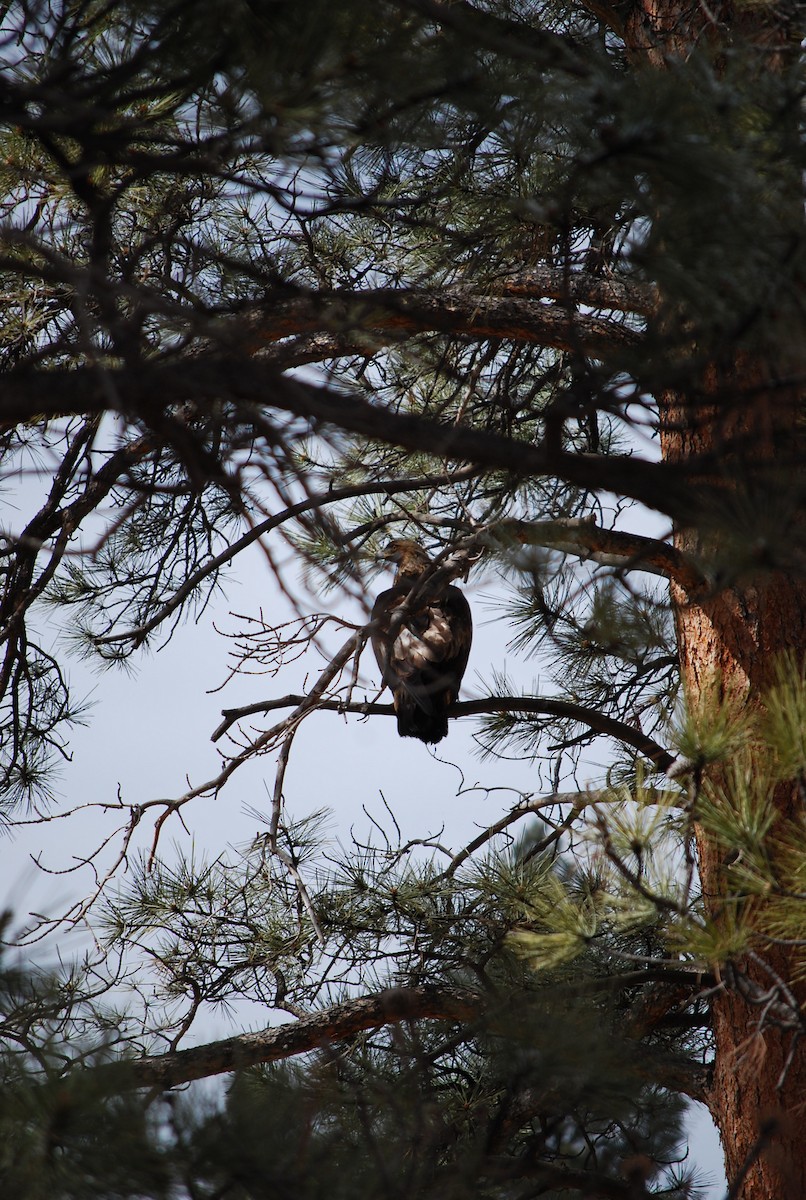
(429, 650)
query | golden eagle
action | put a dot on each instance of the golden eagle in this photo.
(423, 655)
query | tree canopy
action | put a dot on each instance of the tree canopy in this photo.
(523, 281)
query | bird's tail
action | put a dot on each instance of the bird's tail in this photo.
(415, 720)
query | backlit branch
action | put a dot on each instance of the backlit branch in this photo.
(318, 500)
(563, 709)
(255, 387)
(280, 733)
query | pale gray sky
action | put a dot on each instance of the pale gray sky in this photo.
(148, 732)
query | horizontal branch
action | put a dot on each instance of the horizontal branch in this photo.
(581, 536)
(554, 1177)
(309, 1033)
(592, 291)
(387, 314)
(564, 709)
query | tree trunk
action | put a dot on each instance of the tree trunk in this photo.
(741, 427)
(743, 434)
(738, 633)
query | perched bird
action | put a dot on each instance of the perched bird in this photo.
(422, 656)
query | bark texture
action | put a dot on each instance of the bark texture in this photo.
(742, 422)
(758, 1093)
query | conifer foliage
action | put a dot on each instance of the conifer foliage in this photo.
(522, 280)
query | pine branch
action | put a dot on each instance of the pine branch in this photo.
(594, 1185)
(597, 721)
(667, 487)
(309, 1033)
(306, 323)
(593, 291)
(338, 1023)
(392, 313)
(519, 40)
(581, 536)
(316, 501)
(278, 734)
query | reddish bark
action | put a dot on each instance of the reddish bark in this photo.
(739, 632)
(741, 421)
(743, 417)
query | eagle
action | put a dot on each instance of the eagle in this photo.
(423, 654)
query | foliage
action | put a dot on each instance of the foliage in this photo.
(288, 280)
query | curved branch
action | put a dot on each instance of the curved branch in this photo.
(146, 392)
(595, 720)
(581, 536)
(332, 1025)
(576, 802)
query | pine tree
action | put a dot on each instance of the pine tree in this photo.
(503, 278)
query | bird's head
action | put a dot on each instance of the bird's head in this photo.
(410, 557)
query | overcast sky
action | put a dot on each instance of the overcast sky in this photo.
(148, 733)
